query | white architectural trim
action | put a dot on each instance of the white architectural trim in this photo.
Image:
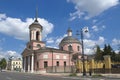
(32, 63)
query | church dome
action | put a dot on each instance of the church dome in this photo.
(69, 40)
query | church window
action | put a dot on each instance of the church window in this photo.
(70, 48)
(45, 64)
(37, 35)
(29, 46)
(64, 63)
(57, 63)
(61, 48)
(38, 45)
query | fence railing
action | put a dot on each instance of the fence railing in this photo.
(60, 69)
(102, 70)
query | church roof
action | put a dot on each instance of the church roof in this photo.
(42, 50)
(69, 39)
(36, 24)
(47, 49)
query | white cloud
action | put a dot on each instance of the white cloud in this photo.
(89, 51)
(91, 8)
(49, 40)
(8, 54)
(87, 35)
(58, 40)
(54, 41)
(94, 21)
(89, 45)
(116, 41)
(101, 40)
(116, 51)
(2, 16)
(97, 28)
(18, 29)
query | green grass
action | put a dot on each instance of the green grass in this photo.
(73, 74)
(96, 75)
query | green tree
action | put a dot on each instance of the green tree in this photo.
(107, 50)
(119, 48)
(98, 54)
(117, 58)
(3, 63)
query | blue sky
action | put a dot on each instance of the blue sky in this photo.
(100, 16)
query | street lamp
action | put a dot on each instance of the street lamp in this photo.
(85, 29)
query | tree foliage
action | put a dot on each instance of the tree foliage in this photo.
(3, 63)
(107, 50)
(99, 54)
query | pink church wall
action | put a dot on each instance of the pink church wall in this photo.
(35, 47)
(41, 59)
(74, 47)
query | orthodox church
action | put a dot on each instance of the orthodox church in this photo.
(37, 57)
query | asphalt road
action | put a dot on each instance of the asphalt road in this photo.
(28, 76)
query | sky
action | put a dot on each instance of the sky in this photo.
(102, 17)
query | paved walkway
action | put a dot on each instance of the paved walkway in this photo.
(111, 75)
(114, 76)
(80, 74)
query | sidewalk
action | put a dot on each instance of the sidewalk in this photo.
(111, 75)
(80, 74)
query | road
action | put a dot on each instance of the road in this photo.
(28, 76)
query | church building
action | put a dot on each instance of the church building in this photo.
(37, 57)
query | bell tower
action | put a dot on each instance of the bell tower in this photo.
(35, 34)
(35, 30)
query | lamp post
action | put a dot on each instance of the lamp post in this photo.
(85, 29)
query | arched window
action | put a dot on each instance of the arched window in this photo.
(70, 48)
(38, 46)
(37, 35)
(61, 48)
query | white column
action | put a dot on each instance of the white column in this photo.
(34, 35)
(32, 64)
(28, 63)
(24, 67)
(40, 37)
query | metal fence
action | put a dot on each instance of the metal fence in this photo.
(102, 70)
(60, 69)
(69, 69)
